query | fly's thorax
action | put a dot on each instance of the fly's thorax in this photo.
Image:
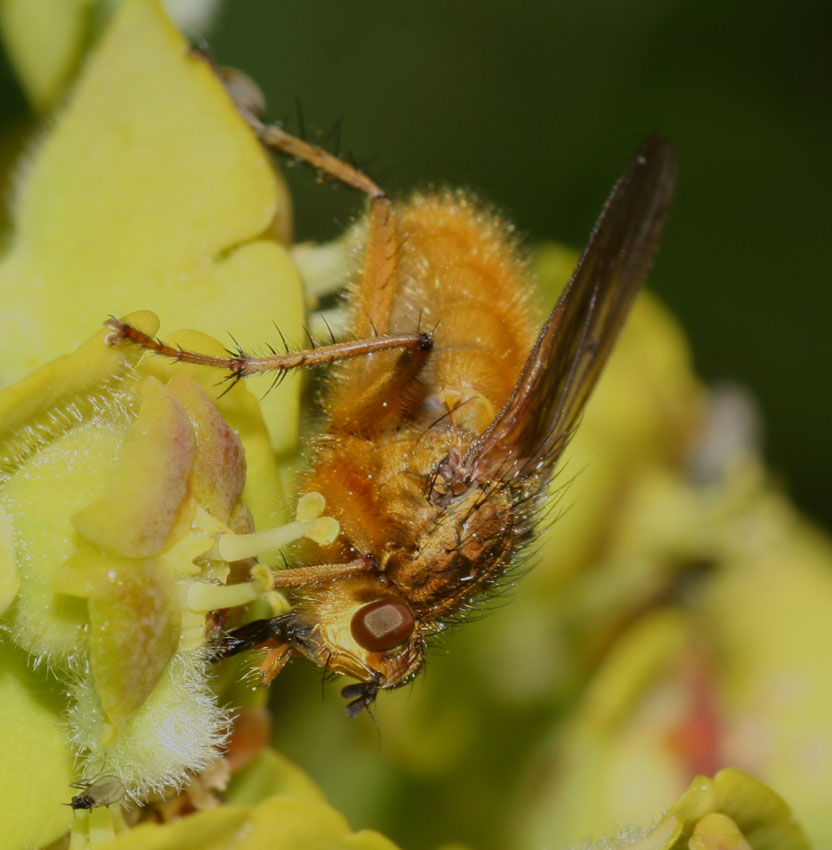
(363, 627)
(463, 550)
(378, 489)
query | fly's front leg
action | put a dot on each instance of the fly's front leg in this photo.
(282, 637)
(287, 629)
(240, 365)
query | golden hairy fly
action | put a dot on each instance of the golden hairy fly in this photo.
(438, 446)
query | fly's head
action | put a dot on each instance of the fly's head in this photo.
(362, 626)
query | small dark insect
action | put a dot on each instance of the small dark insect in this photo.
(101, 791)
(438, 448)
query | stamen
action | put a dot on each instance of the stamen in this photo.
(212, 597)
(308, 523)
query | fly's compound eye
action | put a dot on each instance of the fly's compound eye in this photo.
(382, 625)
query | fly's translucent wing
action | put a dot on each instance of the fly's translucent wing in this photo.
(532, 429)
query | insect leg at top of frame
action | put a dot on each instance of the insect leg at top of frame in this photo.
(374, 294)
(374, 388)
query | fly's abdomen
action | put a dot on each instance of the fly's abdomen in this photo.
(461, 277)
(458, 277)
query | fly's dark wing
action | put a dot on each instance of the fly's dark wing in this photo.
(532, 429)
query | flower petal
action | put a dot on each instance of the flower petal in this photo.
(140, 506)
(44, 41)
(149, 191)
(37, 760)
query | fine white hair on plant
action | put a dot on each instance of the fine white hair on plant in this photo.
(179, 730)
(111, 406)
(622, 840)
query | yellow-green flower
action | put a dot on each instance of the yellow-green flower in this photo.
(119, 474)
(732, 811)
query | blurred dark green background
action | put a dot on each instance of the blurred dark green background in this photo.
(537, 106)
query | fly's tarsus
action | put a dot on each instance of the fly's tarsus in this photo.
(285, 629)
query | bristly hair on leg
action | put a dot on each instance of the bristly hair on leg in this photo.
(242, 365)
(333, 135)
(282, 338)
(329, 328)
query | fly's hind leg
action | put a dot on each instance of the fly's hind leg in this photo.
(374, 384)
(376, 289)
(381, 388)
